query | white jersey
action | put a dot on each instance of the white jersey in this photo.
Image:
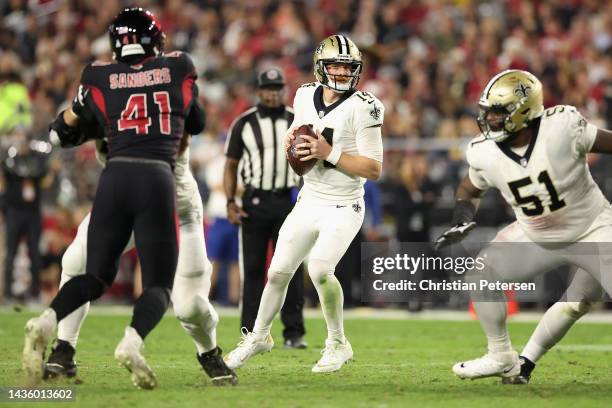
(342, 124)
(549, 187)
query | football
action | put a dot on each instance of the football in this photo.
(300, 167)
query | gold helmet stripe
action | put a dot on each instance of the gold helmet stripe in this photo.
(494, 80)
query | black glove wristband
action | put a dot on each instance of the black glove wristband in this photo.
(464, 212)
(78, 103)
(69, 136)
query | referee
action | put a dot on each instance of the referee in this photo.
(255, 147)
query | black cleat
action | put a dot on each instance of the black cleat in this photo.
(527, 366)
(296, 343)
(214, 366)
(61, 361)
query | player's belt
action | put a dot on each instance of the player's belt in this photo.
(260, 192)
(140, 160)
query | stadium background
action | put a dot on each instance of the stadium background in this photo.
(426, 60)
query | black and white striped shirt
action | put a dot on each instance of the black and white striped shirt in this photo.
(256, 139)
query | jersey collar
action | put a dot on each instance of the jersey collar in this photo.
(323, 110)
(522, 160)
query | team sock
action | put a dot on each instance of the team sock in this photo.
(149, 309)
(75, 293)
(552, 327)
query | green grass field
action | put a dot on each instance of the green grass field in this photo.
(397, 363)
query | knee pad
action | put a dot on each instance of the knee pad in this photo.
(191, 309)
(74, 259)
(577, 309)
(192, 261)
(320, 271)
(190, 299)
(276, 277)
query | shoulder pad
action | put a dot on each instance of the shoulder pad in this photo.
(365, 97)
(478, 149)
(559, 110)
(369, 110)
(477, 140)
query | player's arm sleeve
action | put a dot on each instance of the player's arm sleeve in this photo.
(90, 128)
(91, 118)
(369, 130)
(234, 145)
(583, 132)
(195, 122)
(195, 116)
(477, 179)
(369, 143)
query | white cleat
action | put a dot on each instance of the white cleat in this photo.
(248, 347)
(503, 364)
(335, 354)
(128, 354)
(38, 333)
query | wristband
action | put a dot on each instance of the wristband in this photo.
(464, 212)
(334, 155)
(69, 136)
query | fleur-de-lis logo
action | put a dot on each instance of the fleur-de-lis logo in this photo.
(522, 90)
(319, 49)
(375, 113)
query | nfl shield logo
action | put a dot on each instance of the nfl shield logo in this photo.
(321, 114)
(524, 162)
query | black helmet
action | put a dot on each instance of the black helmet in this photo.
(134, 34)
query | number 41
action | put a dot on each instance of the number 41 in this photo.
(134, 115)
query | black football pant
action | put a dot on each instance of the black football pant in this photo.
(138, 195)
(267, 211)
(22, 223)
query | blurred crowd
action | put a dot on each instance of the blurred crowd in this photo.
(427, 60)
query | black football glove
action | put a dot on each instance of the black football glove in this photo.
(454, 234)
(78, 103)
(68, 136)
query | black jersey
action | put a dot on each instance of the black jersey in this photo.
(145, 108)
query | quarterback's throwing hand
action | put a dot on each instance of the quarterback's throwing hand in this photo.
(454, 235)
(315, 148)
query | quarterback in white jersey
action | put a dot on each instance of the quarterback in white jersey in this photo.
(339, 123)
(536, 158)
(329, 211)
(189, 293)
